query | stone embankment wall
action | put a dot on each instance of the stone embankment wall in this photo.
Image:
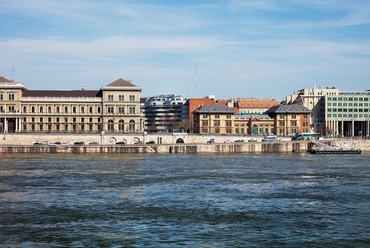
(246, 147)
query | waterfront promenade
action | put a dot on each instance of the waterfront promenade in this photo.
(19, 143)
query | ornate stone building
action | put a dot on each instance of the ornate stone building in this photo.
(214, 119)
(290, 119)
(113, 108)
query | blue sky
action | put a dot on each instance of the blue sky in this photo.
(241, 48)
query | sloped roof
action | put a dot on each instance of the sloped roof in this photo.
(62, 93)
(293, 108)
(257, 103)
(2, 79)
(214, 109)
(121, 83)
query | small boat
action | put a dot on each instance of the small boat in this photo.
(335, 151)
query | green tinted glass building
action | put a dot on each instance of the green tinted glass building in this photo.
(347, 113)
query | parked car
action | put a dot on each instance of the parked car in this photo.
(150, 142)
(228, 141)
(138, 142)
(79, 143)
(271, 138)
(211, 141)
(121, 143)
(252, 140)
(66, 144)
(94, 143)
(57, 143)
(37, 144)
(239, 140)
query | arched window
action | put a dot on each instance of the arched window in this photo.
(24, 109)
(236, 130)
(65, 109)
(90, 110)
(33, 109)
(266, 130)
(98, 109)
(41, 109)
(121, 125)
(132, 126)
(242, 130)
(58, 109)
(82, 110)
(74, 110)
(49, 109)
(110, 125)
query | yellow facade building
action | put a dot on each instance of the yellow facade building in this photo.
(113, 108)
(214, 119)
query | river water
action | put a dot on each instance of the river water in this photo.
(172, 200)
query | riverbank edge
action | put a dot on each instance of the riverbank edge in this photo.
(253, 147)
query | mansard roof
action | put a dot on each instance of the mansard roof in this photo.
(291, 108)
(61, 93)
(220, 109)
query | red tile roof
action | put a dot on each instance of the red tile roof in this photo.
(257, 103)
(122, 83)
(2, 79)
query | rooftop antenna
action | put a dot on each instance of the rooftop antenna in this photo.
(196, 78)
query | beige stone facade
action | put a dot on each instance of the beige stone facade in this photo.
(113, 108)
(214, 119)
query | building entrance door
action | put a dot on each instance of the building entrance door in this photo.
(11, 126)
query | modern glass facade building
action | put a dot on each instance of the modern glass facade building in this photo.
(347, 113)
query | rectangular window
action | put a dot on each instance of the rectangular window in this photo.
(294, 116)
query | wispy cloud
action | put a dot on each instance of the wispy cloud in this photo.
(240, 47)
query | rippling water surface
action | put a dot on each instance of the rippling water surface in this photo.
(238, 200)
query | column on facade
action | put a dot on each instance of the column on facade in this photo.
(353, 128)
(16, 125)
(342, 128)
(5, 125)
(20, 124)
